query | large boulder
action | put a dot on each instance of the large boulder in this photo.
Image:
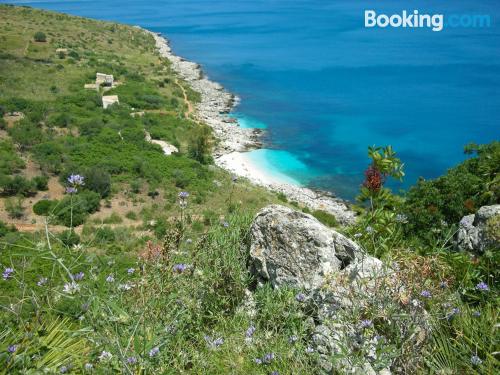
(481, 231)
(292, 248)
(339, 284)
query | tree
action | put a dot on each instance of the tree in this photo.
(40, 37)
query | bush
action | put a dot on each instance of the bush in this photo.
(17, 185)
(40, 37)
(98, 180)
(44, 207)
(325, 218)
(69, 238)
(4, 229)
(104, 235)
(73, 210)
(41, 183)
(14, 208)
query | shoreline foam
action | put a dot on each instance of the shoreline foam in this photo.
(234, 141)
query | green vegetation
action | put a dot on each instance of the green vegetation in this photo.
(129, 276)
(40, 37)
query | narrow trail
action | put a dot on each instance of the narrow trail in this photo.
(190, 109)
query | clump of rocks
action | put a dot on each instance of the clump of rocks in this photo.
(481, 231)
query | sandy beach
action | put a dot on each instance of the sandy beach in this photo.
(231, 153)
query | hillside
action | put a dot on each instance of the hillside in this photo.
(120, 257)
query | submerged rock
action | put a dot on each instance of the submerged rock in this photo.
(481, 231)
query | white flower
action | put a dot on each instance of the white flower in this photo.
(105, 356)
(125, 286)
(110, 279)
(78, 247)
(71, 288)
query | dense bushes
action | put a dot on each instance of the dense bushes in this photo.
(40, 37)
(10, 162)
(44, 207)
(74, 209)
(434, 204)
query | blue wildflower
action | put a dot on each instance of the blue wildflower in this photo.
(250, 331)
(12, 348)
(131, 360)
(426, 294)
(268, 358)
(79, 276)
(180, 268)
(7, 273)
(153, 352)
(301, 297)
(475, 360)
(365, 323)
(482, 286)
(76, 180)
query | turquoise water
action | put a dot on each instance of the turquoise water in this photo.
(324, 87)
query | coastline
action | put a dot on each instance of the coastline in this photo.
(234, 141)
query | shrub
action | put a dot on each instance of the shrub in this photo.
(40, 37)
(44, 207)
(69, 238)
(104, 235)
(131, 215)
(325, 218)
(17, 185)
(98, 180)
(41, 183)
(4, 229)
(14, 208)
(73, 210)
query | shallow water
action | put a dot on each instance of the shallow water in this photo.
(325, 87)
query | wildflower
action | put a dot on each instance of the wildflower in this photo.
(275, 373)
(309, 350)
(79, 276)
(153, 352)
(110, 279)
(189, 241)
(42, 281)
(78, 247)
(476, 314)
(65, 369)
(125, 287)
(180, 268)
(71, 190)
(225, 224)
(268, 358)
(365, 323)
(218, 342)
(401, 218)
(475, 360)
(482, 286)
(358, 235)
(443, 284)
(452, 313)
(301, 297)
(88, 366)
(373, 179)
(130, 271)
(12, 348)
(369, 229)
(250, 331)
(76, 180)
(105, 356)
(85, 306)
(426, 294)
(71, 288)
(131, 360)
(183, 194)
(7, 273)
(258, 361)
(293, 339)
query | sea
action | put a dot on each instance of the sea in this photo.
(325, 87)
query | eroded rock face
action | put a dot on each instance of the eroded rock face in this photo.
(291, 248)
(481, 231)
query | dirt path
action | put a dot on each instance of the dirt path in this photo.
(190, 109)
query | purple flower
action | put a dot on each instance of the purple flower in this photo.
(71, 190)
(301, 297)
(476, 314)
(183, 194)
(12, 348)
(293, 339)
(130, 271)
(275, 373)
(225, 224)
(309, 350)
(180, 268)
(482, 286)
(454, 311)
(268, 357)
(426, 294)
(110, 279)
(153, 352)
(365, 323)
(258, 361)
(250, 331)
(131, 360)
(475, 360)
(7, 273)
(79, 276)
(76, 180)
(218, 342)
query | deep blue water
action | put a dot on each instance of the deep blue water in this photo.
(325, 87)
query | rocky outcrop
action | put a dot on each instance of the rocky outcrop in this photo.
(338, 284)
(481, 231)
(293, 248)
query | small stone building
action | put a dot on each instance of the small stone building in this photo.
(109, 100)
(102, 79)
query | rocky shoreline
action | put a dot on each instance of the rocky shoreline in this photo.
(213, 109)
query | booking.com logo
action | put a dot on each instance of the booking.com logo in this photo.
(435, 22)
